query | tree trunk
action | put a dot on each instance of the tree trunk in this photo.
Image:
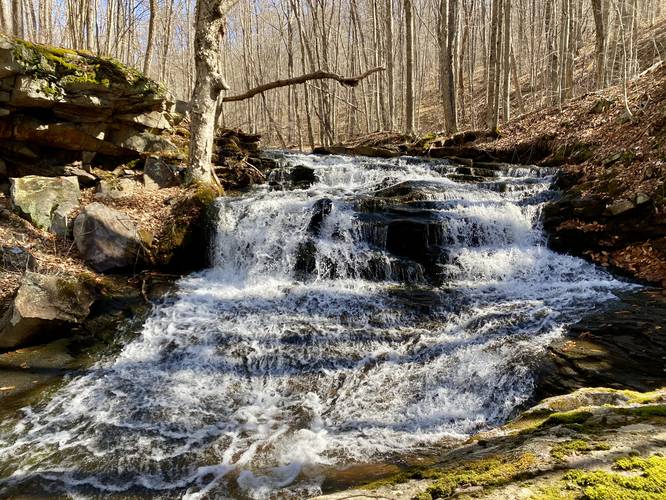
(409, 68)
(506, 50)
(17, 19)
(209, 28)
(151, 37)
(492, 110)
(448, 22)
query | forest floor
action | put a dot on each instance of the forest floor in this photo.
(25, 247)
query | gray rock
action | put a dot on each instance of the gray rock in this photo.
(642, 198)
(46, 201)
(182, 107)
(13, 258)
(8, 64)
(619, 207)
(32, 92)
(86, 179)
(107, 238)
(117, 188)
(44, 306)
(141, 142)
(151, 120)
(157, 174)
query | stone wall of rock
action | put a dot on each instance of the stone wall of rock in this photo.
(58, 106)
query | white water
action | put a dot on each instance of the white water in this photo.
(250, 382)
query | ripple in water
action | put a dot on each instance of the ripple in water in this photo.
(253, 379)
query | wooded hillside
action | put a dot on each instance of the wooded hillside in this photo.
(449, 64)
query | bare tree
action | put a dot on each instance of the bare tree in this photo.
(409, 67)
(209, 28)
(151, 37)
(447, 34)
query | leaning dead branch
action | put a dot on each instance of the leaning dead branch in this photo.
(348, 81)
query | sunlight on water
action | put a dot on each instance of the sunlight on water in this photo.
(254, 377)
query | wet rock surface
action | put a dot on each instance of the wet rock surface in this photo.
(622, 345)
(629, 236)
(588, 444)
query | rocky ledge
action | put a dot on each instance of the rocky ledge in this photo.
(595, 443)
(58, 106)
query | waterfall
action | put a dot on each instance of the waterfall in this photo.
(388, 307)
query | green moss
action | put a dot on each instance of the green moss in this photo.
(492, 471)
(68, 67)
(643, 397)
(647, 481)
(561, 451)
(646, 411)
(205, 194)
(85, 78)
(43, 58)
(487, 472)
(553, 493)
(567, 418)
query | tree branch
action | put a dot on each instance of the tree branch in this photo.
(352, 81)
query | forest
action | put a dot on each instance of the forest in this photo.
(447, 65)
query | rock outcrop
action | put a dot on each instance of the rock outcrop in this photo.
(107, 238)
(58, 106)
(44, 306)
(46, 201)
(593, 443)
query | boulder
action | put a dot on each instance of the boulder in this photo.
(158, 174)
(302, 176)
(150, 120)
(107, 238)
(14, 258)
(619, 207)
(86, 179)
(46, 201)
(129, 138)
(44, 306)
(321, 209)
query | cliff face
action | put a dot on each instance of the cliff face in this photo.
(58, 106)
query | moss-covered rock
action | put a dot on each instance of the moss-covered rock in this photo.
(183, 243)
(53, 95)
(593, 443)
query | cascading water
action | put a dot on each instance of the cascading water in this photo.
(385, 308)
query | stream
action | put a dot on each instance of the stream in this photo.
(376, 309)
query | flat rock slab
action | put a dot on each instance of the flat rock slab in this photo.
(26, 372)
